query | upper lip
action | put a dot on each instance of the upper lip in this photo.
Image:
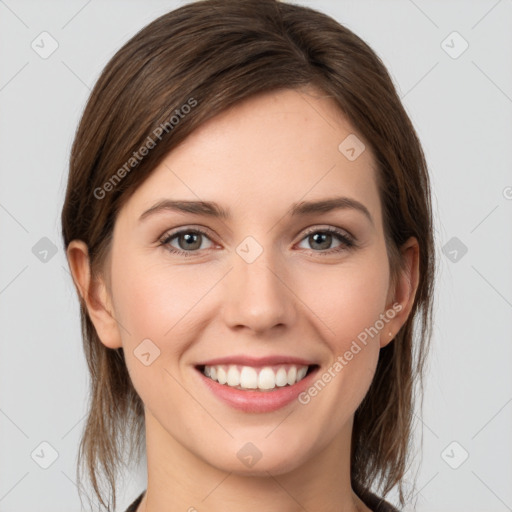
(245, 360)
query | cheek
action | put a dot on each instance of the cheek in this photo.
(152, 301)
(166, 305)
(155, 304)
(351, 307)
(348, 299)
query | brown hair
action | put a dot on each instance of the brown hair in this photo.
(211, 54)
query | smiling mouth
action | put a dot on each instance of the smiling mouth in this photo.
(250, 378)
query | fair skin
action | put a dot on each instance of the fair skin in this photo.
(304, 296)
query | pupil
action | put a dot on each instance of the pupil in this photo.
(326, 237)
(190, 239)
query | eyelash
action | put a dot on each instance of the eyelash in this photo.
(347, 242)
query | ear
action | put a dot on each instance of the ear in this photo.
(94, 294)
(401, 298)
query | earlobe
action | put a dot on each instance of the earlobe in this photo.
(94, 295)
(403, 296)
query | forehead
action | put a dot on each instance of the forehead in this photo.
(266, 153)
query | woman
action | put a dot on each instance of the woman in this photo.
(248, 225)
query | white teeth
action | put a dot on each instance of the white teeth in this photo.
(267, 379)
(247, 377)
(221, 375)
(292, 375)
(301, 373)
(233, 376)
(281, 377)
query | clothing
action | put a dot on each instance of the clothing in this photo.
(377, 504)
(371, 500)
(135, 504)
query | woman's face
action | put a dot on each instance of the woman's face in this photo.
(277, 285)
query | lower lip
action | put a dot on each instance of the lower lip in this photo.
(258, 401)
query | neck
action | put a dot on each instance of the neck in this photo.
(179, 480)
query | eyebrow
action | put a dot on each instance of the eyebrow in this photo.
(214, 210)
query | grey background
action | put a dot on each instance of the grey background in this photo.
(462, 109)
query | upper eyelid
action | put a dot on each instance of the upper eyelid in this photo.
(314, 229)
(184, 229)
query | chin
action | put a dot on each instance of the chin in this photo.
(248, 460)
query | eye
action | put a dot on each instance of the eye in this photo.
(321, 240)
(188, 241)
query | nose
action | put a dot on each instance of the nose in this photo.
(258, 296)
